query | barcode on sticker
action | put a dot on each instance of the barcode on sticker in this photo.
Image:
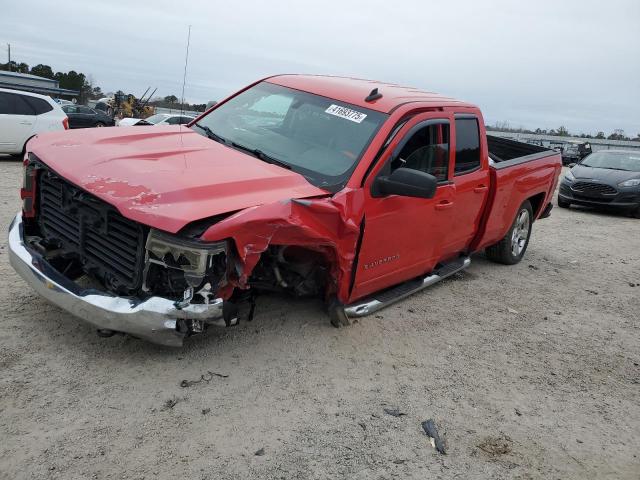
(346, 113)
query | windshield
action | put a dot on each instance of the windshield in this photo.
(614, 160)
(156, 118)
(315, 136)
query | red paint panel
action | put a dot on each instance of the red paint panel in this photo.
(329, 225)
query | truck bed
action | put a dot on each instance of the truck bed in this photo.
(520, 171)
(505, 152)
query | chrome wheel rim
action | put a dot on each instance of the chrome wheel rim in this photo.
(520, 233)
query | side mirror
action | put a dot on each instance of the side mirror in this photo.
(405, 182)
(571, 165)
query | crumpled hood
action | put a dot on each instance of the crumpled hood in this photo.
(166, 177)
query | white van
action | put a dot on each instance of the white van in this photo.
(25, 114)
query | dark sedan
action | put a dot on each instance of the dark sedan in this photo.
(85, 117)
(604, 179)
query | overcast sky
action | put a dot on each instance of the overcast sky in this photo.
(539, 63)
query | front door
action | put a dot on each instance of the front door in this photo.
(404, 236)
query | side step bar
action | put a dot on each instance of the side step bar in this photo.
(383, 299)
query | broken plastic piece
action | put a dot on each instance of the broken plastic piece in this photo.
(437, 442)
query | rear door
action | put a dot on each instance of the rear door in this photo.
(404, 236)
(471, 180)
(17, 122)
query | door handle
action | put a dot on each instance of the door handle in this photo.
(26, 123)
(444, 205)
(480, 188)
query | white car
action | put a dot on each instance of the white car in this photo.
(24, 115)
(158, 119)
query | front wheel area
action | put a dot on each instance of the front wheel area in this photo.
(512, 247)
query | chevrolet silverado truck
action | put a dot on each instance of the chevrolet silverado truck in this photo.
(355, 191)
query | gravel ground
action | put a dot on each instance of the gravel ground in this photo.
(530, 371)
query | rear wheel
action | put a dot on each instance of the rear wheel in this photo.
(562, 203)
(100, 124)
(512, 247)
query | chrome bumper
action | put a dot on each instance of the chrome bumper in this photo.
(153, 319)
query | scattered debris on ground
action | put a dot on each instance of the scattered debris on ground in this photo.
(170, 403)
(437, 442)
(494, 446)
(203, 378)
(259, 453)
(394, 412)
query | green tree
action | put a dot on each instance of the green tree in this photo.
(600, 135)
(171, 99)
(42, 71)
(563, 132)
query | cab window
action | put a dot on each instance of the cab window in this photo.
(467, 145)
(426, 150)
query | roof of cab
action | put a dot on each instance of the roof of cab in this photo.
(355, 90)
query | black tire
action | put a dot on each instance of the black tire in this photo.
(562, 203)
(99, 124)
(513, 246)
(636, 213)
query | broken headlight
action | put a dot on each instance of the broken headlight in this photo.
(180, 268)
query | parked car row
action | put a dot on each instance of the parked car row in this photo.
(24, 114)
(158, 119)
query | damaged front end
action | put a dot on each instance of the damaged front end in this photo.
(188, 271)
(122, 276)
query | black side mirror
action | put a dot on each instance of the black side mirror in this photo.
(405, 182)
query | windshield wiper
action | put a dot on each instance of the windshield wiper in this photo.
(212, 135)
(256, 152)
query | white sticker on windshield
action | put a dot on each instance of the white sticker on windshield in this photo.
(346, 113)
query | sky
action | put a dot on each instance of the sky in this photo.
(533, 64)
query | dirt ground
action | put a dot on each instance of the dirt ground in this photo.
(530, 371)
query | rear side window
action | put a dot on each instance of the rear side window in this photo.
(467, 145)
(6, 104)
(13, 104)
(427, 150)
(39, 105)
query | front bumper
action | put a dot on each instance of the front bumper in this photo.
(623, 200)
(154, 319)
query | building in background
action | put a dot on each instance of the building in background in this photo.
(32, 83)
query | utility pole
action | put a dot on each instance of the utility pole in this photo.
(9, 53)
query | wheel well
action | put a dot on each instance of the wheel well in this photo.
(536, 203)
(24, 147)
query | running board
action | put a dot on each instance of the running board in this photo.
(383, 299)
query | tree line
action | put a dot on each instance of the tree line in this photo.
(82, 83)
(562, 131)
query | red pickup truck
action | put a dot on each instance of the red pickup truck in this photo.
(356, 191)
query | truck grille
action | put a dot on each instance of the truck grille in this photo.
(595, 189)
(108, 246)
